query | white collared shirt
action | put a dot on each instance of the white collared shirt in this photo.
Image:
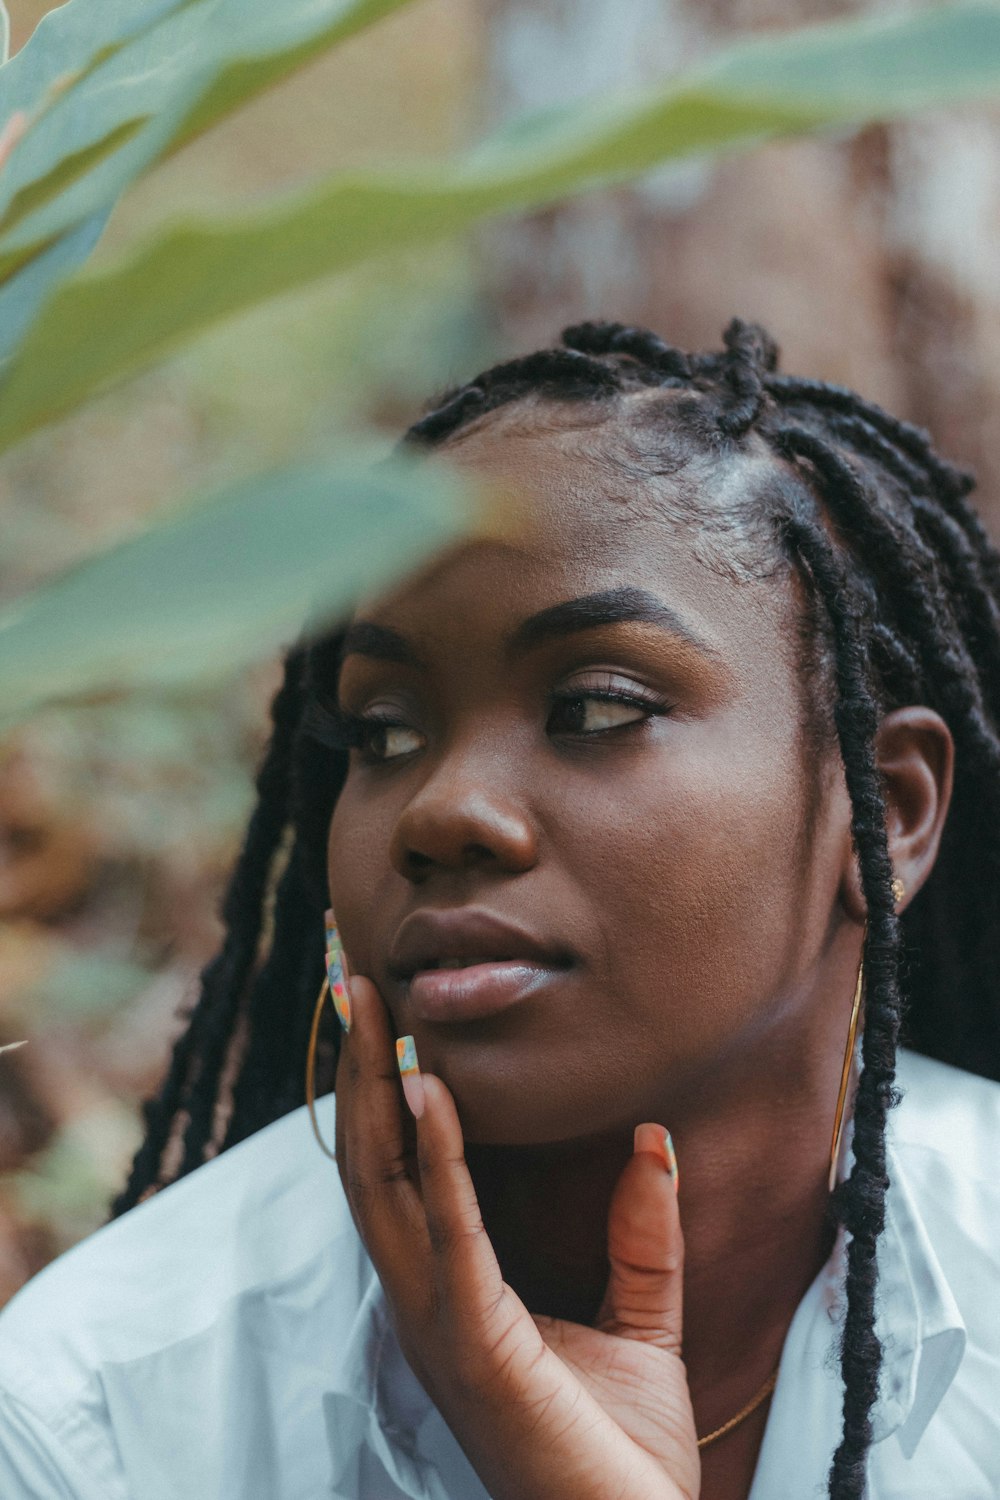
(229, 1339)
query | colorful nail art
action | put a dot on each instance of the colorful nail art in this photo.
(671, 1155)
(336, 972)
(654, 1139)
(409, 1072)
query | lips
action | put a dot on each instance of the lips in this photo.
(463, 937)
(467, 964)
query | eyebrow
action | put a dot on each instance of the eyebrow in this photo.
(610, 607)
(365, 638)
(588, 612)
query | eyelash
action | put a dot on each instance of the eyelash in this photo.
(341, 730)
(650, 706)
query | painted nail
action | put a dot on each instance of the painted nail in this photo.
(336, 972)
(671, 1155)
(658, 1142)
(409, 1072)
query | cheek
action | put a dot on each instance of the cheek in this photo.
(358, 870)
(697, 880)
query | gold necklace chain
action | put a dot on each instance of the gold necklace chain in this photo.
(743, 1413)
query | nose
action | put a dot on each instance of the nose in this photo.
(464, 816)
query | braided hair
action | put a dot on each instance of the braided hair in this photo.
(903, 602)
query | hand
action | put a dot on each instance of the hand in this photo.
(544, 1409)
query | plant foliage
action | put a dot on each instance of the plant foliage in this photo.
(109, 87)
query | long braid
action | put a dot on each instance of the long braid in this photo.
(271, 1081)
(860, 1203)
(192, 1079)
(242, 909)
(276, 1001)
(916, 584)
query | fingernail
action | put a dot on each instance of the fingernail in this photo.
(409, 1072)
(658, 1142)
(671, 1155)
(336, 972)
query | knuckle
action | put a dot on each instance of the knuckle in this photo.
(360, 1189)
(367, 1189)
(450, 1238)
(434, 1163)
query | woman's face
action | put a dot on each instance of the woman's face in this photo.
(670, 857)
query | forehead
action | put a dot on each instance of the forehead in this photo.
(592, 518)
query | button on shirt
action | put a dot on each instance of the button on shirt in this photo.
(229, 1338)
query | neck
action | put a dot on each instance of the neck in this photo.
(754, 1211)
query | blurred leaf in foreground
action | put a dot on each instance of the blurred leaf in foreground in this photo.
(107, 88)
(223, 582)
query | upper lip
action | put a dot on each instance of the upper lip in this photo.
(427, 938)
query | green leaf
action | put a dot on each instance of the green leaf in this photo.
(132, 98)
(106, 326)
(69, 40)
(126, 83)
(223, 582)
(21, 297)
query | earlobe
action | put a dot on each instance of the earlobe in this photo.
(916, 757)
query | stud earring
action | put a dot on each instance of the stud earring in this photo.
(336, 983)
(898, 890)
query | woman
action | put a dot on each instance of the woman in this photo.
(629, 823)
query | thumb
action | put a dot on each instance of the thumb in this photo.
(644, 1298)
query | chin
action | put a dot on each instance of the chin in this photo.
(501, 1112)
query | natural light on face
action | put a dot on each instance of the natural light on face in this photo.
(591, 738)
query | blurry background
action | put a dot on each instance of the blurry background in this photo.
(869, 256)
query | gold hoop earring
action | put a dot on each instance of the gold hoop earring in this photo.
(311, 1070)
(838, 1123)
(336, 984)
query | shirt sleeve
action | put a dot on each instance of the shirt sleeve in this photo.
(37, 1464)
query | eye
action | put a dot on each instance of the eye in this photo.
(378, 736)
(381, 739)
(596, 710)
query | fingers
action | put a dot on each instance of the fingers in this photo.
(468, 1272)
(410, 1191)
(644, 1299)
(375, 1143)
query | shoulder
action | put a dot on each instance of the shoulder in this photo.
(169, 1270)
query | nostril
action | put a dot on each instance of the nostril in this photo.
(475, 854)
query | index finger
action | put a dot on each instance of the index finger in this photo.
(376, 1145)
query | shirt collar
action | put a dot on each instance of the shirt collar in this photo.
(923, 1337)
(918, 1320)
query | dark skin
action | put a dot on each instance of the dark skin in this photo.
(691, 850)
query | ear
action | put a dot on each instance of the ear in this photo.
(916, 756)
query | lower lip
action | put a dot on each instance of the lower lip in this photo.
(478, 991)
